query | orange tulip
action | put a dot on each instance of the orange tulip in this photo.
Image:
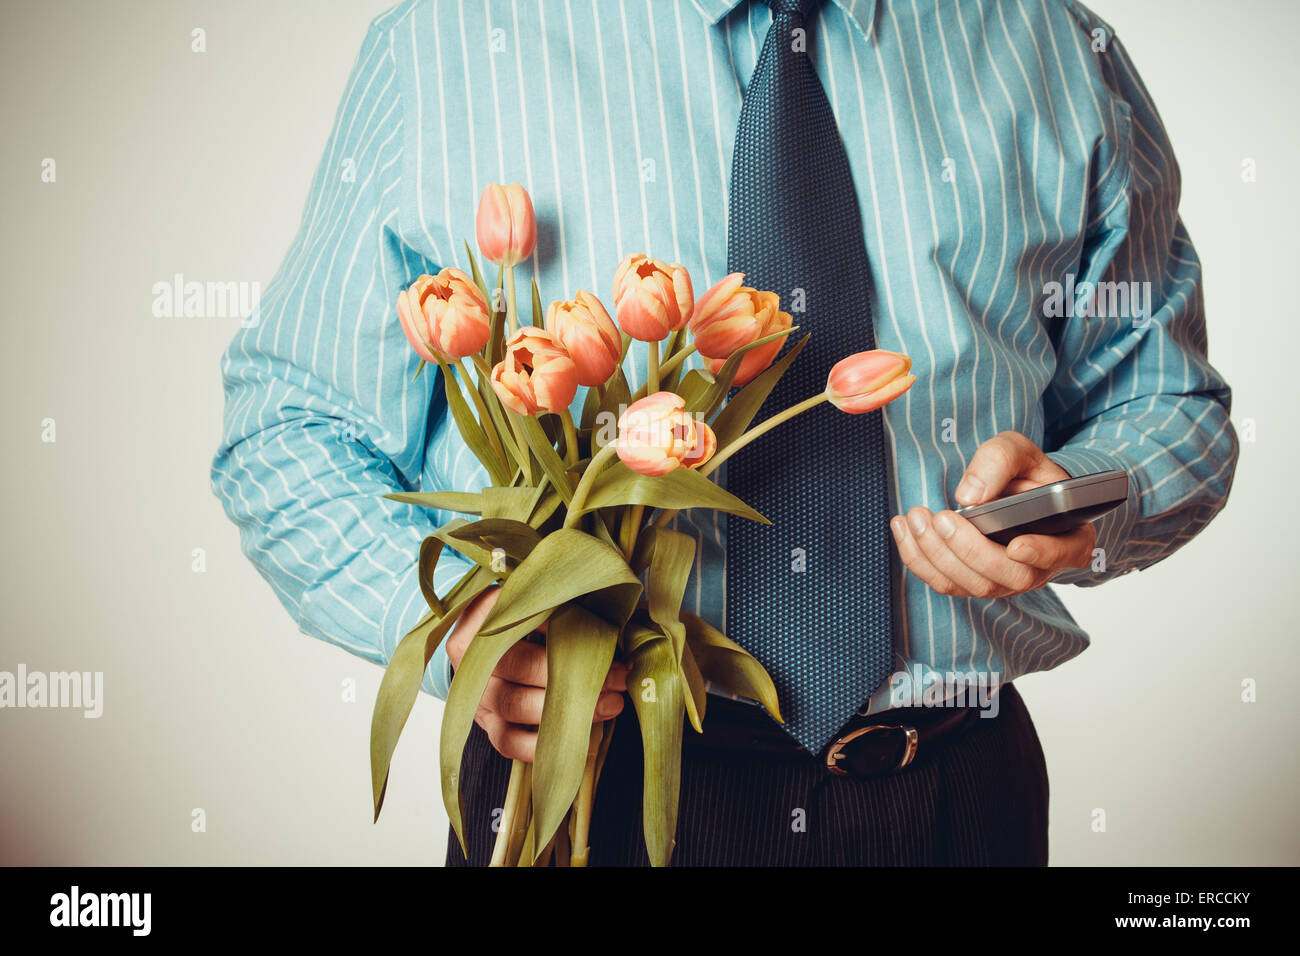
(652, 299)
(706, 443)
(444, 316)
(506, 225)
(730, 316)
(865, 381)
(589, 335)
(656, 434)
(536, 374)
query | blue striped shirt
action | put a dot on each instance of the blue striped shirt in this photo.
(1020, 202)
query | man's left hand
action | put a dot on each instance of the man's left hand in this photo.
(946, 551)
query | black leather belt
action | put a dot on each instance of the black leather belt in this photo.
(867, 746)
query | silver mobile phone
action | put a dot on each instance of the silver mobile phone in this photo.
(1050, 509)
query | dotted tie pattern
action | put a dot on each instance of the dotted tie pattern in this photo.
(825, 632)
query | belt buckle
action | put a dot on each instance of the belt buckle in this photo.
(836, 752)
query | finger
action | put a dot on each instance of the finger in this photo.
(522, 704)
(1055, 552)
(517, 703)
(1003, 457)
(525, 663)
(509, 740)
(915, 559)
(467, 627)
(983, 557)
(616, 680)
(607, 706)
(969, 582)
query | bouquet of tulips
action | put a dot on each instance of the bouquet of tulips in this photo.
(574, 525)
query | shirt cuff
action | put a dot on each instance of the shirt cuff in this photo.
(1113, 528)
(408, 607)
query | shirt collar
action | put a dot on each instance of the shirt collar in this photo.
(861, 12)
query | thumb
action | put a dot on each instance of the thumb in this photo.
(994, 465)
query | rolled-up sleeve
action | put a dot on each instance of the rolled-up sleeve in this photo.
(322, 417)
(1133, 388)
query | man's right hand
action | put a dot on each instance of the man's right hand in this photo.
(511, 707)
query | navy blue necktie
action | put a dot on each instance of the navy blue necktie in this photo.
(809, 595)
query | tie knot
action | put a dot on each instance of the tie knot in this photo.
(786, 8)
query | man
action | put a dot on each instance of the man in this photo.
(974, 184)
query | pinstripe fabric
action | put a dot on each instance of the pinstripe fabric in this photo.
(995, 152)
(982, 801)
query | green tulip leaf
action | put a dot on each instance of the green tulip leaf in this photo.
(724, 662)
(539, 314)
(515, 538)
(461, 502)
(564, 566)
(696, 690)
(744, 405)
(694, 385)
(547, 456)
(471, 548)
(617, 397)
(475, 273)
(515, 503)
(550, 502)
(657, 695)
(402, 678)
(430, 551)
(470, 430)
(481, 657)
(670, 569)
(579, 650)
(681, 488)
(724, 376)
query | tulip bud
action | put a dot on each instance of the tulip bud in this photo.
(444, 316)
(536, 374)
(706, 443)
(505, 225)
(656, 434)
(730, 316)
(865, 381)
(651, 299)
(588, 334)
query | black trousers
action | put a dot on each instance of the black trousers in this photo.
(981, 800)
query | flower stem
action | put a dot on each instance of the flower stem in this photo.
(584, 485)
(512, 313)
(570, 438)
(586, 795)
(489, 427)
(523, 820)
(504, 431)
(525, 453)
(629, 531)
(678, 357)
(652, 379)
(505, 826)
(758, 431)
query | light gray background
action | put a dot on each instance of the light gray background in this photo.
(170, 161)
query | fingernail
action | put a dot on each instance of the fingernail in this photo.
(917, 522)
(896, 526)
(944, 525)
(1026, 555)
(970, 490)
